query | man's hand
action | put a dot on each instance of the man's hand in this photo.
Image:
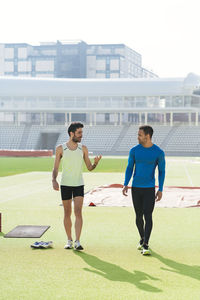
(158, 196)
(59, 153)
(55, 185)
(125, 190)
(97, 159)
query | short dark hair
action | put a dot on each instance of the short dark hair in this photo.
(147, 130)
(74, 126)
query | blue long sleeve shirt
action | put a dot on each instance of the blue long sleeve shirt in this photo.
(144, 162)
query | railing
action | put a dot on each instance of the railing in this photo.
(98, 103)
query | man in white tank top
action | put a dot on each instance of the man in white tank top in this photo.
(72, 154)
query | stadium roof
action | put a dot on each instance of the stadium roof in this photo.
(18, 86)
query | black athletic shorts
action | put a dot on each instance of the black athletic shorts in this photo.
(69, 192)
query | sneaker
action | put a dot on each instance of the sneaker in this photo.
(77, 246)
(145, 250)
(46, 244)
(36, 245)
(140, 245)
(69, 245)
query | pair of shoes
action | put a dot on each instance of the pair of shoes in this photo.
(69, 245)
(42, 245)
(77, 246)
(145, 250)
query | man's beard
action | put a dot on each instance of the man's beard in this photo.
(76, 140)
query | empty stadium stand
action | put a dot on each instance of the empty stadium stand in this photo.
(104, 139)
(11, 136)
(184, 140)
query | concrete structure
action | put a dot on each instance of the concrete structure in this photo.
(100, 101)
(34, 113)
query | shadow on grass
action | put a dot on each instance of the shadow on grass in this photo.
(115, 273)
(176, 267)
(2, 234)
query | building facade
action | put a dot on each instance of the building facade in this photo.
(75, 59)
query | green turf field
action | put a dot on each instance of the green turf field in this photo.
(17, 165)
(180, 171)
(110, 267)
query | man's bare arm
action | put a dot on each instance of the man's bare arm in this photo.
(56, 167)
(88, 163)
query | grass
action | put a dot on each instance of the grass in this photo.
(19, 165)
(110, 268)
(179, 171)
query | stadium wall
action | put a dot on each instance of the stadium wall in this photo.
(26, 153)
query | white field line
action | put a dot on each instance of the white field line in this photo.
(35, 191)
(188, 175)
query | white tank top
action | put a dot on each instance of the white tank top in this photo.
(72, 164)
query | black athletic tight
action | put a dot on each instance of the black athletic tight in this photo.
(143, 202)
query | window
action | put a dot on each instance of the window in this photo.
(69, 102)
(177, 101)
(45, 65)
(187, 101)
(101, 64)
(22, 52)
(141, 102)
(24, 66)
(195, 102)
(116, 102)
(9, 52)
(153, 102)
(57, 101)
(129, 102)
(114, 64)
(81, 101)
(93, 102)
(105, 101)
(9, 66)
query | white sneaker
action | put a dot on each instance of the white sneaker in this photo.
(36, 245)
(140, 245)
(69, 245)
(46, 244)
(146, 251)
(77, 246)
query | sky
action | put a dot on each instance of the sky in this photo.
(165, 32)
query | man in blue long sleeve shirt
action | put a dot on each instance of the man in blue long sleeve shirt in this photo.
(143, 159)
